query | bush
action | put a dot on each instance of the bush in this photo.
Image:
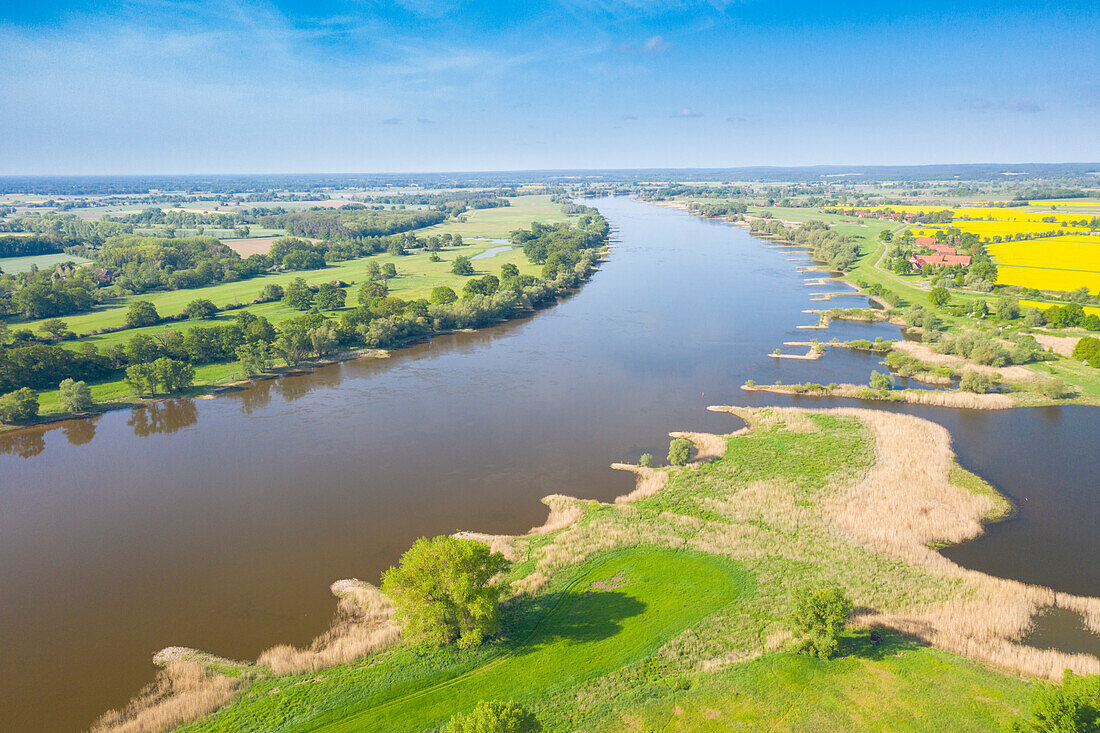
(679, 450)
(201, 309)
(443, 591)
(19, 406)
(271, 292)
(645, 460)
(1054, 389)
(75, 396)
(976, 382)
(1067, 708)
(1088, 350)
(880, 381)
(817, 616)
(494, 717)
(141, 313)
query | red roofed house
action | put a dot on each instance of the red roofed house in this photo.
(925, 241)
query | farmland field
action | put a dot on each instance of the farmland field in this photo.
(15, 265)
(499, 222)
(1056, 263)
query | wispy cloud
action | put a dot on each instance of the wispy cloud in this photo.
(1020, 106)
(627, 118)
(686, 113)
(653, 46)
(392, 121)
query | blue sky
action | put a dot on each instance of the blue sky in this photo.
(153, 86)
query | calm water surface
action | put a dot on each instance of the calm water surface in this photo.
(220, 523)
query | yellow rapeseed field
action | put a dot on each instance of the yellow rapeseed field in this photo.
(1043, 306)
(1055, 263)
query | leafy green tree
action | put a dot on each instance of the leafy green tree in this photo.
(55, 327)
(141, 313)
(389, 270)
(816, 619)
(297, 295)
(322, 340)
(141, 347)
(938, 296)
(330, 298)
(462, 266)
(201, 309)
(679, 450)
(508, 270)
(255, 357)
(1054, 389)
(1007, 309)
(487, 285)
(19, 406)
(374, 272)
(75, 397)
(881, 381)
(443, 295)
(645, 460)
(174, 375)
(443, 590)
(1088, 350)
(494, 717)
(371, 290)
(271, 293)
(974, 381)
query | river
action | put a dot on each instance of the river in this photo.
(220, 523)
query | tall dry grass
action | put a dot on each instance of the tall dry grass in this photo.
(182, 692)
(363, 624)
(936, 398)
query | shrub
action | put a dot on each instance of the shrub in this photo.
(271, 292)
(201, 309)
(1088, 350)
(443, 591)
(679, 450)
(1067, 708)
(645, 460)
(75, 396)
(19, 406)
(141, 313)
(494, 717)
(817, 616)
(881, 381)
(976, 382)
(1054, 389)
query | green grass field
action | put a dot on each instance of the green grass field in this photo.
(16, 265)
(498, 223)
(891, 686)
(554, 641)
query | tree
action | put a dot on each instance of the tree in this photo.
(173, 375)
(75, 396)
(645, 460)
(19, 406)
(322, 340)
(443, 295)
(679, 450)
(55, 327)
(443, 591)
(374, 272)
(141, 313)
(271, 292)
(881, 381)
(330, 297)
(938, 296)
(1054, 389)
(371, 290)
(389, 270)
(462, 266)
(494, 717)
(1088, 350)
(481, 286)
(255, 357)
(974, 381)
(816, 618)
(508, 270)
(297, 295)
(201, 309)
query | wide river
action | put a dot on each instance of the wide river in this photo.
(220, 523)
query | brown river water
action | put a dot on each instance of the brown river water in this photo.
(219, 524)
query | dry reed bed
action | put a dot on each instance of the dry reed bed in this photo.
(936, 398)
(921, 351)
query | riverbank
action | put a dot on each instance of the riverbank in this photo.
(799, 495)
(1033, 384)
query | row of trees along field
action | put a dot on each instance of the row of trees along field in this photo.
(839, 250)
(567, 252)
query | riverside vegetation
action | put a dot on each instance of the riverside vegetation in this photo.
(832, 502)
(292, 321)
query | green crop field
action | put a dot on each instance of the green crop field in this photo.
(498, 223)
(16, 265)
